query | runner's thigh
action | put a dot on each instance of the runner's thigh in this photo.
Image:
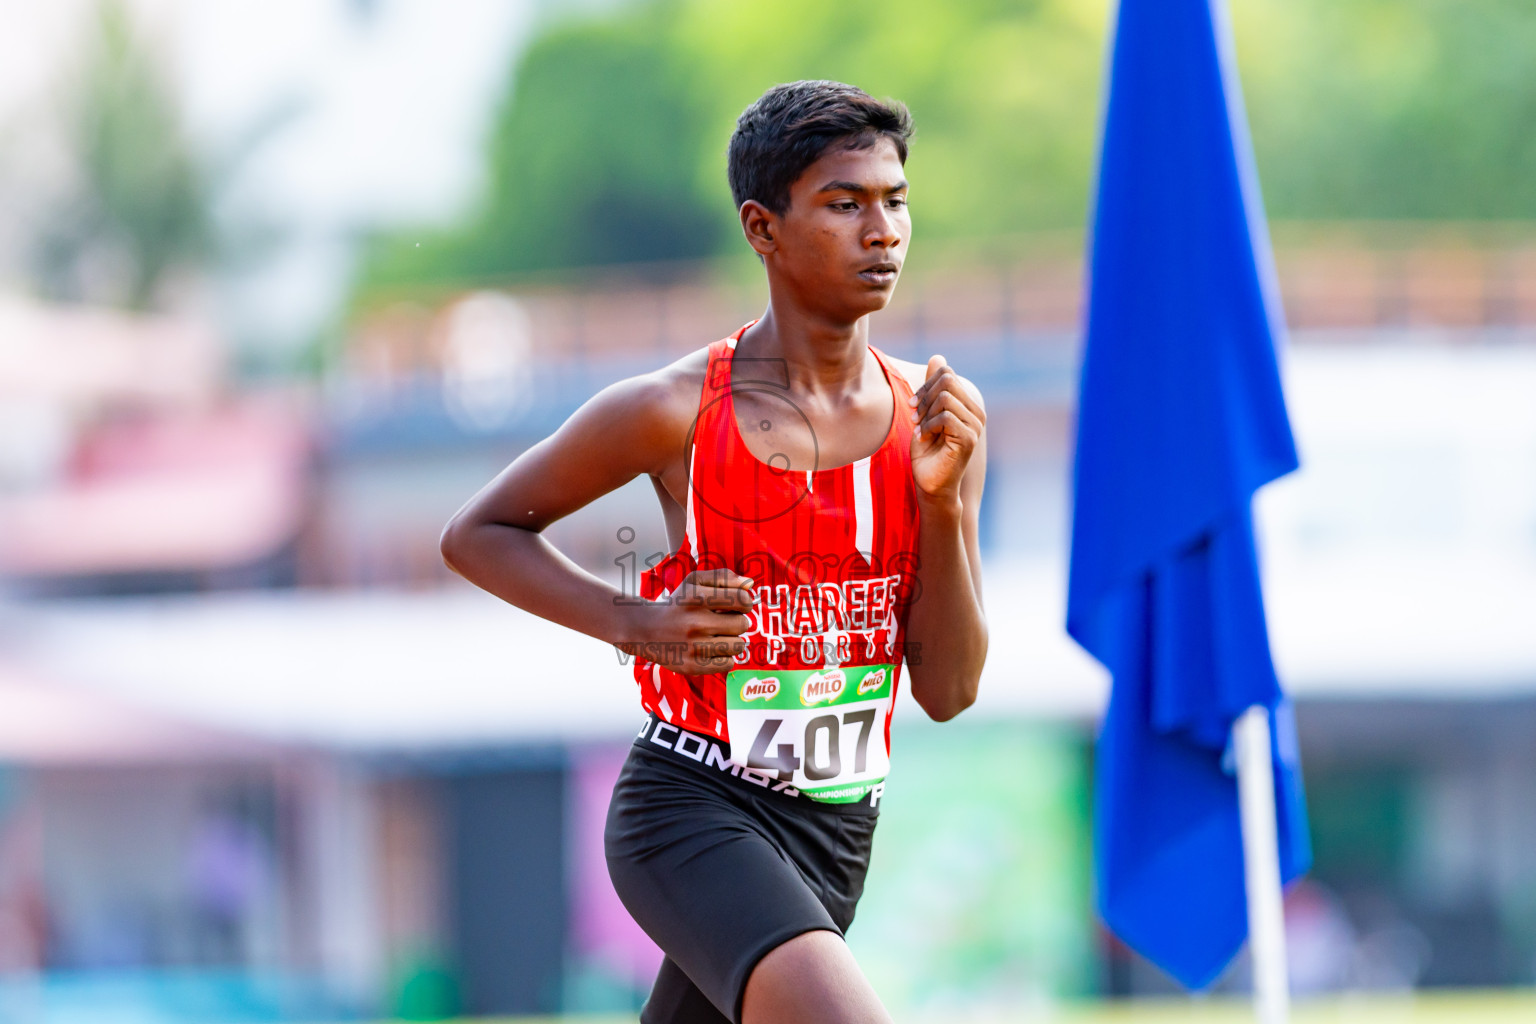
(811, 979)
(703, 880)
(675, 999)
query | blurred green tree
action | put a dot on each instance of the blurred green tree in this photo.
(610, 145)
(1392, 109)
(592, 160)
(134, 212)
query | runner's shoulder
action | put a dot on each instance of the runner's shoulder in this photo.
(656, 409)
(916, 373)
(669, 394)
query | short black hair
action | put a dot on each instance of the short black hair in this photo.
(792, 125)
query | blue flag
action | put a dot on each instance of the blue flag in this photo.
(1180, 419)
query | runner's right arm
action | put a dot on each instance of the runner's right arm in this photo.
(495, 541)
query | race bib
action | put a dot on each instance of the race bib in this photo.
(822, 730)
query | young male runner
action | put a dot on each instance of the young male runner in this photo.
(822, 501)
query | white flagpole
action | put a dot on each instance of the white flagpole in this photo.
(1261, 866)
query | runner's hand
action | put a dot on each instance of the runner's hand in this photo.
(698, 629)
(946, 425)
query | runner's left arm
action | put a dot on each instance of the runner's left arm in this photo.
(946, 624)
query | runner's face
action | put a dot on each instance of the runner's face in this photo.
(844, 237)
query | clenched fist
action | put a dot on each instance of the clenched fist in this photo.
(697, 628)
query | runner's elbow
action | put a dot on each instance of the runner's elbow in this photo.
(453, 544)
(946, 711)
(955, 699)
(472, 544)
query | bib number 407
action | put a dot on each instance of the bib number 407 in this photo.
(785, 760)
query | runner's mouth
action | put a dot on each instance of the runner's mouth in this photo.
(880, 273)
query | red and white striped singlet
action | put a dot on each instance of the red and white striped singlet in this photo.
(833, 555)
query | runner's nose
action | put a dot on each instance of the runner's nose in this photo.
(883, 230)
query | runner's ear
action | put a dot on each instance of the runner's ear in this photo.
(759, 223)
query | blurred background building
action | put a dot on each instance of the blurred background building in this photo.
(283, 284)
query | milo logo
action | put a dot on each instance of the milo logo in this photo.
(822, 687)
(766, 687)
(872, 681)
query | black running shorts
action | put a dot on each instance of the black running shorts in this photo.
(719, 870)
